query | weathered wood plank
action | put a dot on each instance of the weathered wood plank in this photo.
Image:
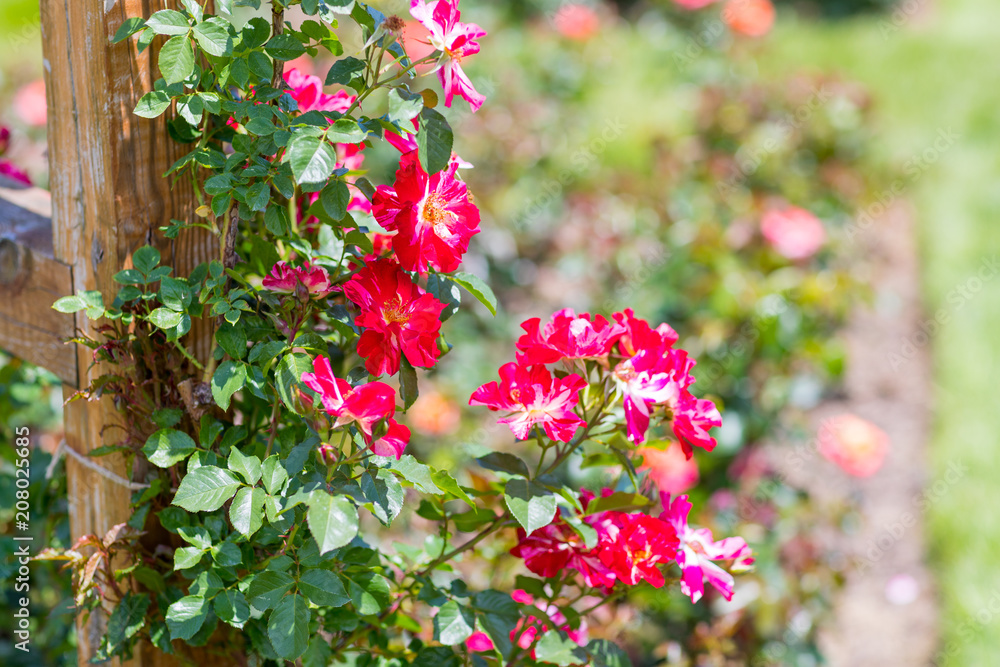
(108, 199)
(30, 281)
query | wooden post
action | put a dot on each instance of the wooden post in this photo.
(109, 198)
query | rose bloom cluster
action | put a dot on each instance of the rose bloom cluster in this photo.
(431, 219)
(649, 374)
(632, 547)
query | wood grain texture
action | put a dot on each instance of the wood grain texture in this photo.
(109, 198)
(30, 281)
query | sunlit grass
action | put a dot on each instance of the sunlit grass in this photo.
(928, 77)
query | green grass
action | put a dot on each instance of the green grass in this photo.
(933, 75)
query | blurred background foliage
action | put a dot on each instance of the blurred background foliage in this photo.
(628, 167)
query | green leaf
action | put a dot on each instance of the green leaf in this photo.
(434, 141)
(369, 592)
(206, 489)
(227, 554)
(416, 473)
(312, 160)
(323, 588)
(346, 131)
(175, 294)
(504, 462)
(288, 377)
(232, 340)
(385, 494)
(167, 447)
(69, 304)
(276, 220)
(247, 467)
(164, 318)
(247, 510)
(127, 618)
(408, 389)
(268, 587)
(617, 501)
(448, 484)
(145, 259)
(228, 379)
(477, 288)
(555, 649)
(344, 70)
(404, 105)
(213, 37)
(453, 624)
(274, 475)
(532, 505)
(232, 607)
(284, 47)
(186, 616)
(128, 28)
(187, 557)
(604, 653)
(194, 9)
(333, 520)
(335, 197)
(288, 627)
(176, 60)
(168, 22)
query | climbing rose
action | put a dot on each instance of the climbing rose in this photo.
(578, 22)
(433, 215)
(398, 317)
(455, 40)
(698, 549)
(641, 544)
(793, 232)
(533, 397)
(856, 445)
(9, 170)
(651, 378)
(753, 18)
(527, 628)
(394, 442)
(638, 335)
(364, 405)
(285, 279)
(556, 547)
(307, 91)
(669, 469)
(567, 336)
(692, 419)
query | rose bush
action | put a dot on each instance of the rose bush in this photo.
(278, 476)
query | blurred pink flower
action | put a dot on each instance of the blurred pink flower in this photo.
(434, 414)
(793, 232)
(693, 4)
(669, 469)
(753, 18)
(577, 21)
(29, 103)
(4, 139)
(855, 444)
(9, 170)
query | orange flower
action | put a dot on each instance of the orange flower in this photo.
(753, 18)
(670, 470)
(856, 445)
